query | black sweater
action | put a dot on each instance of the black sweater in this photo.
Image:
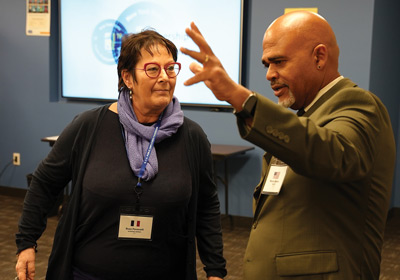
(67, 161)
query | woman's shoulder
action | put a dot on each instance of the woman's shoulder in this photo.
(196, 134)
(91, 114)
(193, 127)
(85, 120)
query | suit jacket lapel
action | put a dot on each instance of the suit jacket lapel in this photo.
(258, 197)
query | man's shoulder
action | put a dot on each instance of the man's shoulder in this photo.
(346, 90)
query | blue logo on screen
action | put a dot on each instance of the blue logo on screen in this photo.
(107, 36)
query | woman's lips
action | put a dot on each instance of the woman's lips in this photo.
(161, 91)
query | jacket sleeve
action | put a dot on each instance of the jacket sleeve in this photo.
(48, 181)
(337, 142)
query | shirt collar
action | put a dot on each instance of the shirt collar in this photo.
(323, 91)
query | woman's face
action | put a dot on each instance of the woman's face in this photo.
(150, 96)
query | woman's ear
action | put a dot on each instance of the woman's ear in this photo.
(127, 77)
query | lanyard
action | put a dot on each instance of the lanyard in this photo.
(148, 152)
(138, 187)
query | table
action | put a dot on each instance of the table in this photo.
(222, 153)
(219, 153)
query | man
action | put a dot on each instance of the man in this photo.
(321, 204)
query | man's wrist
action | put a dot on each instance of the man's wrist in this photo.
(248, 107)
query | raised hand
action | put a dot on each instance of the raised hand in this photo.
(212, 72)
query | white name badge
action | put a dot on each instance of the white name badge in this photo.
(135, 227)
(276, 175)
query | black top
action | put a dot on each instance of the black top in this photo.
(67, 162)
(108, 184)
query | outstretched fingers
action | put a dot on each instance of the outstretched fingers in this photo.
(199, 74)
(194, 33)
(193, 54)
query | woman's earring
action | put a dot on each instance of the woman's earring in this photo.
(130, 94)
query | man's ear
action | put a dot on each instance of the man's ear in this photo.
(320, 54)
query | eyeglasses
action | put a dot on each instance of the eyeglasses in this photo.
(153, 69)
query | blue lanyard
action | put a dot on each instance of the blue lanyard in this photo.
(148, 152)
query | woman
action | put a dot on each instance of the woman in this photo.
(142, 189)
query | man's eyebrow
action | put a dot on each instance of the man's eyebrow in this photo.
(271, 59)
(266, 64)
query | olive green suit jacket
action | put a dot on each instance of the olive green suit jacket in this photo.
(328, 220)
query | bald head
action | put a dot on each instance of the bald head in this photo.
(306, 29)
(301, 53)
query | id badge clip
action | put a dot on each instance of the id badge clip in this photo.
(136, 222)
(275, 178)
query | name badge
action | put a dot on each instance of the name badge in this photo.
(135, 223)
(275, 178)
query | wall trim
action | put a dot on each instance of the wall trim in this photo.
(10, 191)
(226, 221)
(236, 221)
(393, 213)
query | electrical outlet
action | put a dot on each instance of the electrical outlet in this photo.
(16, 159)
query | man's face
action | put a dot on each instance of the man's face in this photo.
(290, 65)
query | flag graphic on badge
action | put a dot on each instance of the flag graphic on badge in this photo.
(276, 174)
(133, 223)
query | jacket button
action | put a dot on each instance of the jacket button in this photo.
(286, 139)
(269, 129)
(275, 132)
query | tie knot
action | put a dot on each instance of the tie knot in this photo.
(301, 112)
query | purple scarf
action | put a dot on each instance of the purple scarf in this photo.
(138, 136)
